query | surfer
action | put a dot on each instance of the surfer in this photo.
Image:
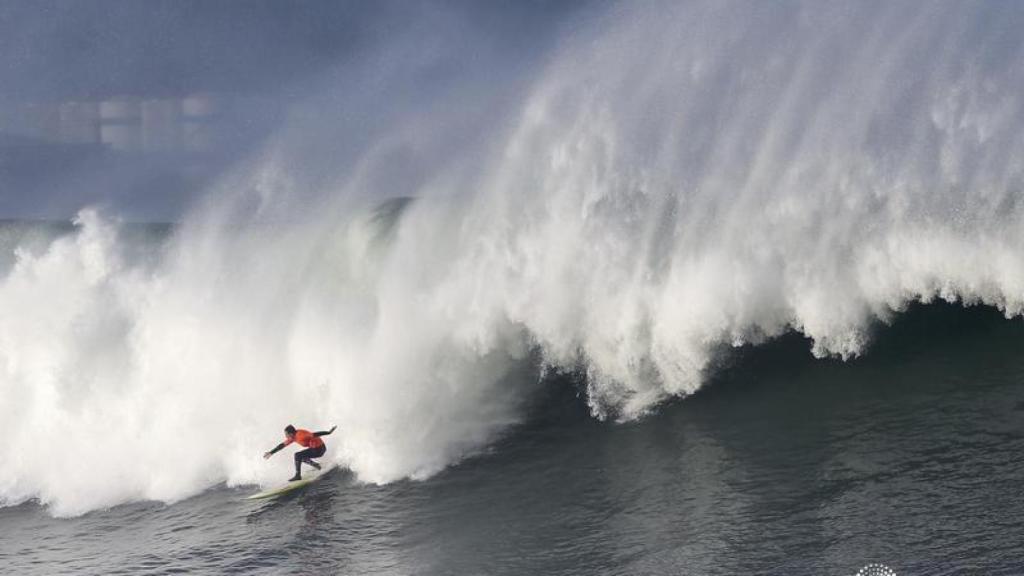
(315, 447)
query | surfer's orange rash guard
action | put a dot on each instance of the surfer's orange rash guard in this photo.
(305, 438)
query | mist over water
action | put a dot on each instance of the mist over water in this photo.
(663, 182)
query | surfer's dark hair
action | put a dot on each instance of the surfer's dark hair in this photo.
(289, 429)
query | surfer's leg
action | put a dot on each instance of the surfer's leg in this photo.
(299, 457)
(311, 453)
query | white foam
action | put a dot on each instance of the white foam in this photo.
(680, 178)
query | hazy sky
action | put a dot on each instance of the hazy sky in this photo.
(274, 52)
(86, 48)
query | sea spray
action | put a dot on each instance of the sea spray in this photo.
(706, 174)
(680, 178)
(151, 382)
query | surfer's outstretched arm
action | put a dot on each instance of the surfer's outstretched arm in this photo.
(274, 451)
(325, 433)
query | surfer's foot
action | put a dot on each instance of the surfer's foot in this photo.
(314, 465)
(294, 478)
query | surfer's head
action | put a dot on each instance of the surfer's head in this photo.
(289, 430)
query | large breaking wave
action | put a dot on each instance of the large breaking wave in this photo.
(678, 178)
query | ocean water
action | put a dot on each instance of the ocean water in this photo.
(908, 457)
(693, 288)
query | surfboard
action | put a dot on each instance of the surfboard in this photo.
(290, 487)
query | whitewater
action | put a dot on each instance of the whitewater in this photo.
(671, 182)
